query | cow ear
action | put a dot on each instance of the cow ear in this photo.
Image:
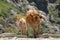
(41, 17)
(31, 15)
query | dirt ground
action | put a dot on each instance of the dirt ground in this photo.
(15, 38)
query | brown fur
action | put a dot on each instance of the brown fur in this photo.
(32, 18)
(22, 24)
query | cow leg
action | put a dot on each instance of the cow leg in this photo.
(34, 31)
(20, 29)
(38, 28)
(27, 29)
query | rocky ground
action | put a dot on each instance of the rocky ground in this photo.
(12, 36)
(15, 38)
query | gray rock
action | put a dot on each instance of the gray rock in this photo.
(53, 29)
(32, 4)
(51, 19)
(12, 12)
(50, 29)
(31, 7)
(8, 1)
(1, 26)
(43, 13)
(1, 29)
(7, 35)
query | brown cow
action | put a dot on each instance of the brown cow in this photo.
(33, 19)
(22, 24)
